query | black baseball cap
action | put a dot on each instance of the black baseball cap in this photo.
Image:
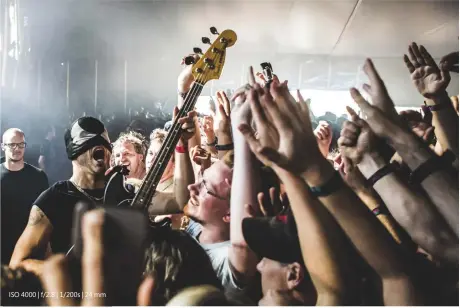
(274, 238)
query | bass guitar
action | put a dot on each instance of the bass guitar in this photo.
(208, 67)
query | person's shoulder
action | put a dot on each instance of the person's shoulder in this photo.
(61, 186)
(32, 168)
(57, 188)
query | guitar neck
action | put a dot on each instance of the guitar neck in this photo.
(145, 194)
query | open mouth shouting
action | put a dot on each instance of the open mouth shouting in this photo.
(99, 154)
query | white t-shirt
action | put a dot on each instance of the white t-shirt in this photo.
(218, 253)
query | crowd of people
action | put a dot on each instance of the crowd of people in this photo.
(261, 203)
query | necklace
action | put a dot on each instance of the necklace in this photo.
(85, 193)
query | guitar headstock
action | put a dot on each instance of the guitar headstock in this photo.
(211, 64)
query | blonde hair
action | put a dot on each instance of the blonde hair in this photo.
(137, 140)
(228, 159)
(158, 134)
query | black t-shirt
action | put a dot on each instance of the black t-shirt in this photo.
(58, 203)
(19, 189)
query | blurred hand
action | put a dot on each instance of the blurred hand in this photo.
(356, 139)
(241, 112)
(323, 135)
(353, 177)
(201, 157)
(33, 266)
(185, 79)
(273, 205)
(188, 124)
(208, 128)
(450, 62)
(429, 80)
(381, 116)
(378, 92)
(223, 114)
(291, 144)
(417, 124)
(56, 277)
(261, 80)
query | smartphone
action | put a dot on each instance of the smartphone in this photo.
(125, 235)
(267, 70)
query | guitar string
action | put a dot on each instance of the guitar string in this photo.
(189, 102)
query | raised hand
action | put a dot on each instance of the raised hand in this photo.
(323, 135)
(188, 124)
(381, 115)
(356, 139)
(294, 145)
(428, 78)
(450, 62)
(418, 126)
(201, 157)
(208, 128)
(261, 80)
(223, 123)
(56, 277)
(378, 92)
(185, 79)
(273, 205)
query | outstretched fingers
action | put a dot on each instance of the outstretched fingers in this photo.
(372, 73)
(427, 57)
(364, 105)
(409, 64)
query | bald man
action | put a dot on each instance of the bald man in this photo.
(21, 184)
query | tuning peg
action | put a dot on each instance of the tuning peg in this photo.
(206, 40)
(189, 60)
(214, 31)
(197, 50)
(207, 61)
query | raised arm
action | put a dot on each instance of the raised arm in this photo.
(223, 125)
(183, 169)
(245, 186)
(184, 83)
(355, 179)
(368, 236)
(415, 213)
(320, 241)
(432, 82)
(441, 188)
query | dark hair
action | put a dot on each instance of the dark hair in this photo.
(176, 261)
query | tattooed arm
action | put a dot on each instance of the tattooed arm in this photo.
(36, 236)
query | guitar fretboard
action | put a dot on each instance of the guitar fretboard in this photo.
(145, 194)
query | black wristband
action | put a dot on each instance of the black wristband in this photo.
(331, 186)
(379, 210)
(212, 143)
(224, 147)
(385, 170)
(433, 164)
(437, 107)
